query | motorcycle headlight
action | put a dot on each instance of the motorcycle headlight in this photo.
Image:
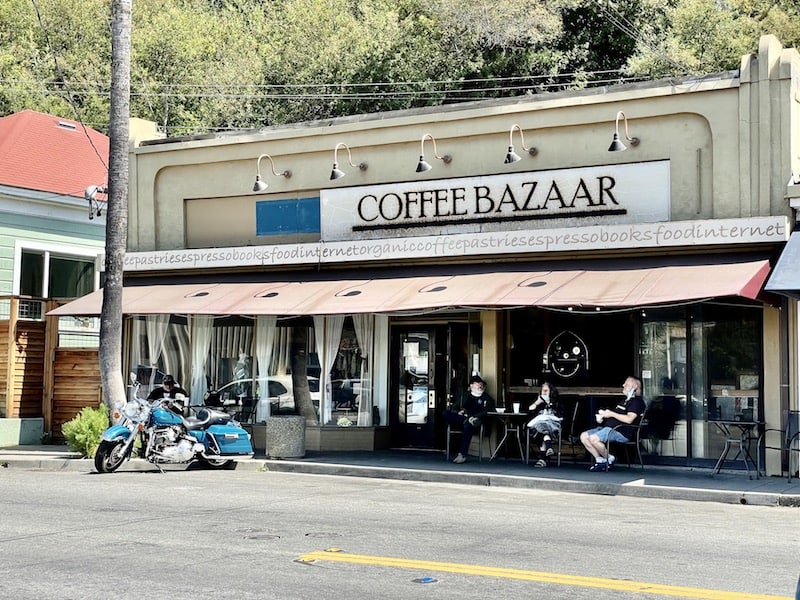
(131, 410)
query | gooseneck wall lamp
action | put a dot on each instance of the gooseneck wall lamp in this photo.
(90, 194)
(616, 143)
(423, 165)
(511, 156)
(260, 185)
(336, 172)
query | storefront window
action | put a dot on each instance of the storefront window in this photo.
(662, 354)
(237, 378)
(232, 381)
(726, 370)
(569, 349)
(159, 346)
(229, 366)
(345, 378)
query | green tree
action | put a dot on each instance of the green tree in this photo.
(707, 36)
(207, 65)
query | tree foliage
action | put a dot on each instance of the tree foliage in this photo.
(707, 36)
(83, 432)
(209, 65)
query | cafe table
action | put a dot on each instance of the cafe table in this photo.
(739, 434)
(512, 424)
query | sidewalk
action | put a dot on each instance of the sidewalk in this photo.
(731, 487)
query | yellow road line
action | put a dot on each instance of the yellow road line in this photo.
(540, 576)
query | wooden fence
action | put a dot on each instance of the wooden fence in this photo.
(40, 379)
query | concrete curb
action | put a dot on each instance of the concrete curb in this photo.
(558, 485)
(86, 465)
(61, 461)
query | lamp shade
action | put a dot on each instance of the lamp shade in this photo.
(616, 144)
(512, 156)
(260, 185)
(336, 172)
(423, 165)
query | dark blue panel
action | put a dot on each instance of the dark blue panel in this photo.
(281, 217)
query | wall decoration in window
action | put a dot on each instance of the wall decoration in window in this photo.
(567, 355)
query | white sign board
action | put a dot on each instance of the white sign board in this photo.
(608, 194)
(604, 237)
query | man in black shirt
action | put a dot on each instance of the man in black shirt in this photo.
(168, 389)
(626, 414)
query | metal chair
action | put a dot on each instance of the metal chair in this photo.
(451, 431)
(246, 413)
(559, 439)
(635, 442)
(791, 437)
(660, 419)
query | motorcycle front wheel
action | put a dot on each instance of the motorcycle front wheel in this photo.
(109, 456)
(217, 463)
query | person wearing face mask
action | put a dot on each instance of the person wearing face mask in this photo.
(546, 425)
(626, 413)
(468, 412)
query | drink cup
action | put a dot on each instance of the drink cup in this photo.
(599, 418)
(516, 407)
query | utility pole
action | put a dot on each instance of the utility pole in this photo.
(110, 353)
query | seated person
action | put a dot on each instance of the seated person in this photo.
(547, 423)
(627, 413)
(467, 413)
(168, 389)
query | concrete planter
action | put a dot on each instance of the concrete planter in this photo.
(286, 436)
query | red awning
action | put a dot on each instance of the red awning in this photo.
(627, 286)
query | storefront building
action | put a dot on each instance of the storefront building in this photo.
(503, 237)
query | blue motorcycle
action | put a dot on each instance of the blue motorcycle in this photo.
(211, 437)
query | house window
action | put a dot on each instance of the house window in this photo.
(46, 275)
(31, 280)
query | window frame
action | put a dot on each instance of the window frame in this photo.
(50, 250)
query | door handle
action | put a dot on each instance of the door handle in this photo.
(431, 399)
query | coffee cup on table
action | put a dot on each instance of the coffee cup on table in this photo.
(516, 407)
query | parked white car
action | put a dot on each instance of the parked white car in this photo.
(279, 400)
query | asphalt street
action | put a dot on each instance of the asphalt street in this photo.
(263, 534)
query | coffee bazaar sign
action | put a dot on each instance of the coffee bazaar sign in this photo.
(629, 193)
(674, 234)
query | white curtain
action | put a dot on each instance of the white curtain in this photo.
(364, 326)
(200, 328)
(265, 338)
(156, 328)
(281, 351)
(138, 332)
(328, 335)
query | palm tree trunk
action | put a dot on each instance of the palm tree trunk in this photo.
(110, 353)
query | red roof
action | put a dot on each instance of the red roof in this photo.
(50, 154)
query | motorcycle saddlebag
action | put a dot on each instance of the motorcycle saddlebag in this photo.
(231, 440)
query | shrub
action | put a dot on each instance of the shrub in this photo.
(83, 432)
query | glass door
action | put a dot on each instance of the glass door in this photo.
(429, 368)
(414, 394)
(663, 357)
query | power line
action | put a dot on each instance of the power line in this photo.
(618, 20)
(246, 93)
(322, 84)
